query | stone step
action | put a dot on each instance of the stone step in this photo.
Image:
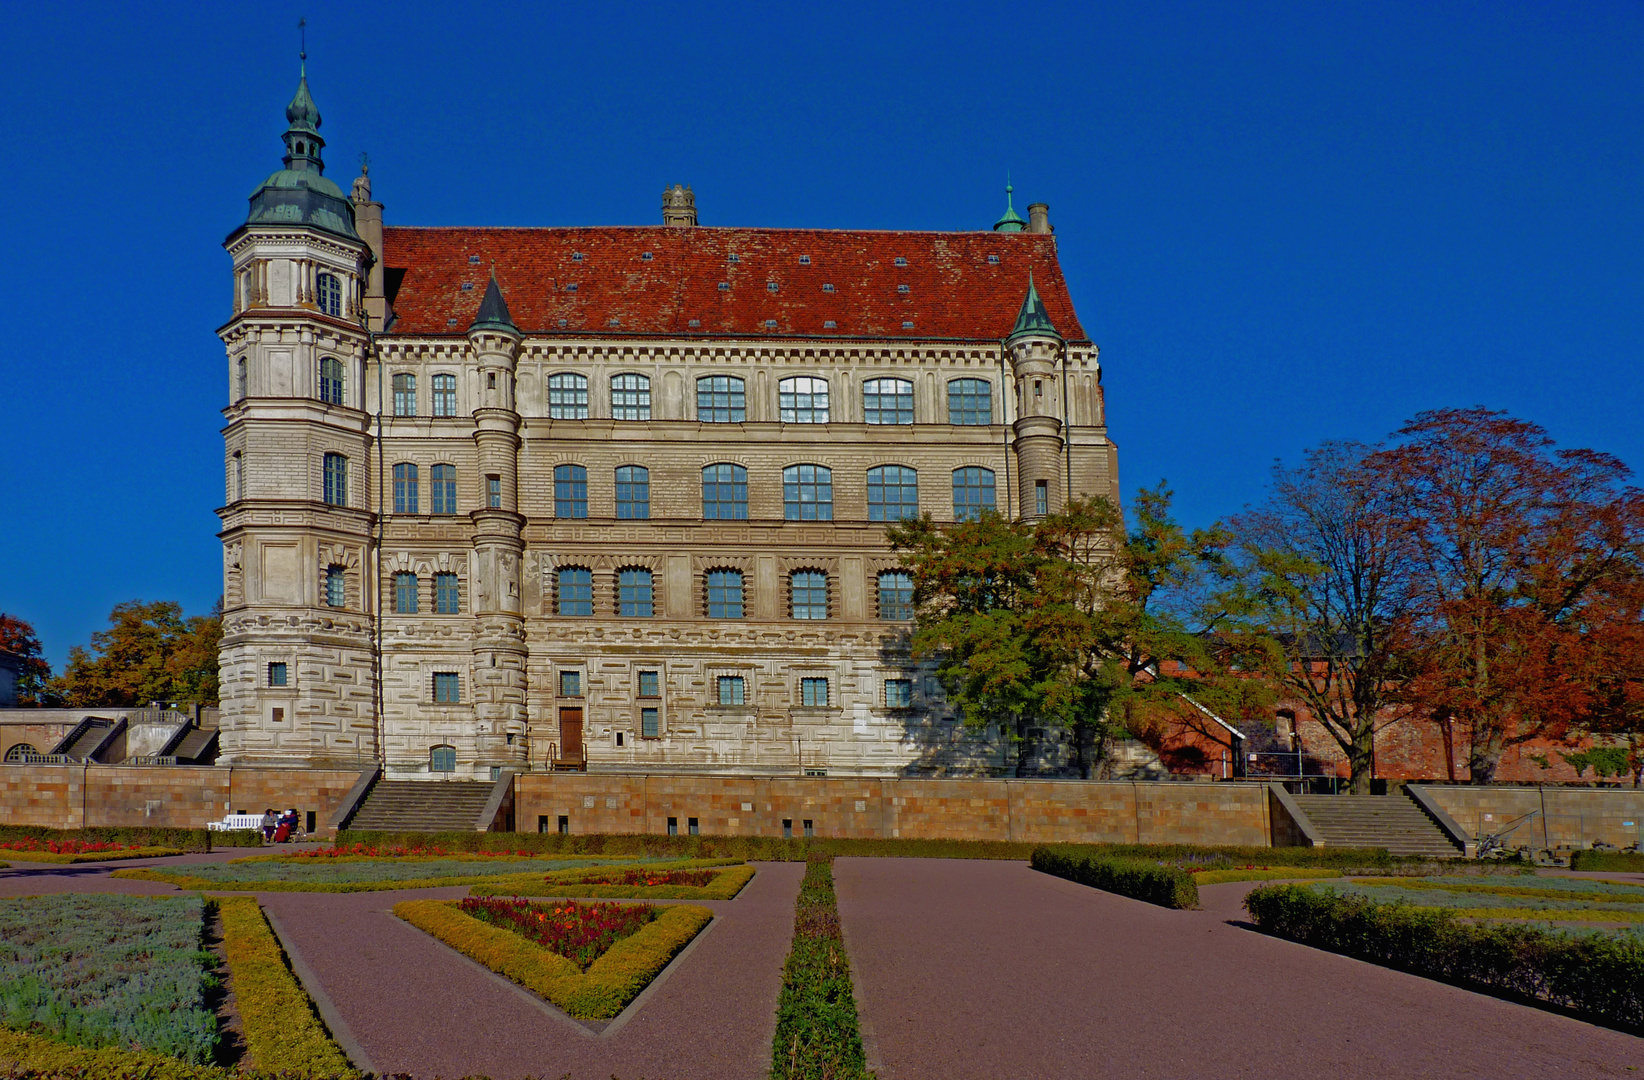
(1375, 821)
(422, 806)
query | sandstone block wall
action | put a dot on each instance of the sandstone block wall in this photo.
(1570, 817)
(1033, 811)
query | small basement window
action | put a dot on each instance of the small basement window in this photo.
(565, 819)
(810, 828)
(691, 827)
(673, 826)
(787, 828)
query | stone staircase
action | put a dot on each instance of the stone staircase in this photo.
(423, 806)
(1375, 821)
(85, 740)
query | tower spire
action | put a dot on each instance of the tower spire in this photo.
(1011, 221)
(1033, 320)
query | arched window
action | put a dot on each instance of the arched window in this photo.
(970, 401)
(336, 590)
(809, 592)
(893, 493)
(447, 600)
(405, 395)
(633, 492)
(896, 595)
(574, 591)
(802, 400)
(568, 396)
(634, 593)
(807, 493)
(405, 488)
(724, 493)
(443, 489)
(721, 399)
(630, 397)
(887, 401)
(15, 752)
(240, 380)
(570, 491)
(405, 593)
(972, 492)
(331, 381)
(328, 291)
(724, 594)
(445, 395)
(336, 480)
(441, 758)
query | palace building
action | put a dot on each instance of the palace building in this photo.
(614, 497)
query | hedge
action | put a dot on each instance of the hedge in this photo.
(1598, 977)
(1623, 862)
(94, 856)
(1167, 886)
(282, 1034)
(23, 1055)
(1222, 877)
(184, 839)
(184, 880)
(601, 992)
(724, 886)
(817, 1033)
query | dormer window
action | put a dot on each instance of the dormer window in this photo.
(900, 261)
(468, 286)
(904, 289)
(770, 286)
(473, 260)
(328, 291)
(571, 287)
(828, 287)
(804, 260)
(724, 286)
(829, 324)
(576, 256)
(696, 323)
(646, 256)
(993, 260)
(733, 257)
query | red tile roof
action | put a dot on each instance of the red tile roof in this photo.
(952, 290)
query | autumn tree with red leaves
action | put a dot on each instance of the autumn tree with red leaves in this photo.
(1521, 557)
(18, 638)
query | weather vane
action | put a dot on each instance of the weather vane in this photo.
(302, 29)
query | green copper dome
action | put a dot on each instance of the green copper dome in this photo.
(299, 194)
(1012, 221)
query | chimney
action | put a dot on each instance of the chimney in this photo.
(679, 207)
(1039, 218)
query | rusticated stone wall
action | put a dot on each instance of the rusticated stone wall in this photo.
(1038, 811)
(77, 796)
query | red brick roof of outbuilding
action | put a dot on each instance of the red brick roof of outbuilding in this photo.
(953, 291)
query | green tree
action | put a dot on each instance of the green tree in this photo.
(150, 652)
(1067, 623)
(18, 638)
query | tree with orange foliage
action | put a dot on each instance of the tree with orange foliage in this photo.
(150, 652)
(1518, 550)
(18, 638)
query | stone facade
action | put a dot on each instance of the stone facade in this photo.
(436, 552)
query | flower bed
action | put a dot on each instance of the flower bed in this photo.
(108, 971)
(353, 874)
(70, 852)
(410, 849)
(723, 883)
(818, 1036)
(1597, 976)
(142, 836)
(600, 992)
(579, 932)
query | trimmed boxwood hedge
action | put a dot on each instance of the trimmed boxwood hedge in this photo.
(93, 856)
(1599, 977)
(1616, 862)
(282, 1033)
(601, 992)
(1139, 879)
(818, 1036)
(1222, 877)
(184, 839)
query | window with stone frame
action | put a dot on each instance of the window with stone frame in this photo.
(630, 397)
(445, 395)
(724, 594)
(240, 380)
(732, 690)
(721, 399)
(887, 401)
(442, 759)
(893, 493)
(802, 399)
(972, 492)
(405, 593)
(898, 693)
(447, 688)
(570, 683)
(633, 493)
(725, 492)
(574, 591)
(334, 469)
(336, 587)
(808, 594)
(442, 484)
(813, 692)
(567, 396)
(650, 684)
(405, 394)
(807, 493)
(328, 292)
(447, 595)
(331, 381)
(895, 595)
(634, 593)
(405, 488)
(570, 491)
(277, 673)
(650, 723)
(970, 402)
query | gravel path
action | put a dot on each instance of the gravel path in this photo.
(989, 969)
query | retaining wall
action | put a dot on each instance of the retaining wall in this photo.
(1034, 811)
(1565, 817)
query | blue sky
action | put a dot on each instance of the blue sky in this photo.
(1281, 223)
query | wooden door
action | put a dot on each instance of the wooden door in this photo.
(570, 734)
